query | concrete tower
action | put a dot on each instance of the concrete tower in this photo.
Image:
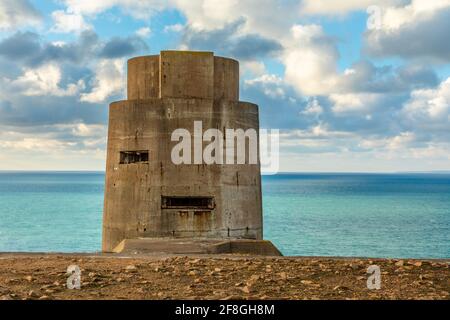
(146, 194)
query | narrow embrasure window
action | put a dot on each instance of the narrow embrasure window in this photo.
(133, 156)
(177, 202)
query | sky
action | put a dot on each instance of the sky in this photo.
(353, 86)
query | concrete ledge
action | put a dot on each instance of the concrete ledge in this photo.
(254, 247)
(197, 246)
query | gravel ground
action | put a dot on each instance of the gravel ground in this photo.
(43, 276)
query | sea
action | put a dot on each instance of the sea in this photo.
(305, 214)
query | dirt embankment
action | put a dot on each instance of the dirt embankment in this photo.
(224, 277)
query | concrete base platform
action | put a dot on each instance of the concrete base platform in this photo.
(197, 246)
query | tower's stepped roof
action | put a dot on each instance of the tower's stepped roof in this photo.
(183, 74)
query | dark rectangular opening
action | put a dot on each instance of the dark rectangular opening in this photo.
(177, 202)
(133, 156)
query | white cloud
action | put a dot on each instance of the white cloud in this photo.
(396, 17)
(17, 13)
(68, 22)
(321, 149)
(68, 135)
(318, 139)
(109, 80)
(320, 130)
(90, 7)
(144, 32)
(206, 15)
(432, 150)
(430, 104)
(174, 28)
(256, 68)
(418, 29)
(313, 108)
(137, 8)
(272, 85)
(265, 17)
(74, 146)
(333, 7)
(35, 144)
(311, 59)
(87, 130)
(404, 139)
(354, 102)
(45, 80)
(265, 78)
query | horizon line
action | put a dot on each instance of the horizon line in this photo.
(278, 173)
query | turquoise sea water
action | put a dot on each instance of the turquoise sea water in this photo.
(377, 215)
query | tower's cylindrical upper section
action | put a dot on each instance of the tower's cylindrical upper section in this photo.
(183, 74)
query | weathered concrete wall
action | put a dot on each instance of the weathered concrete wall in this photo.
(187, 75)
(143, 77)
(133, 191)
(226, 79)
